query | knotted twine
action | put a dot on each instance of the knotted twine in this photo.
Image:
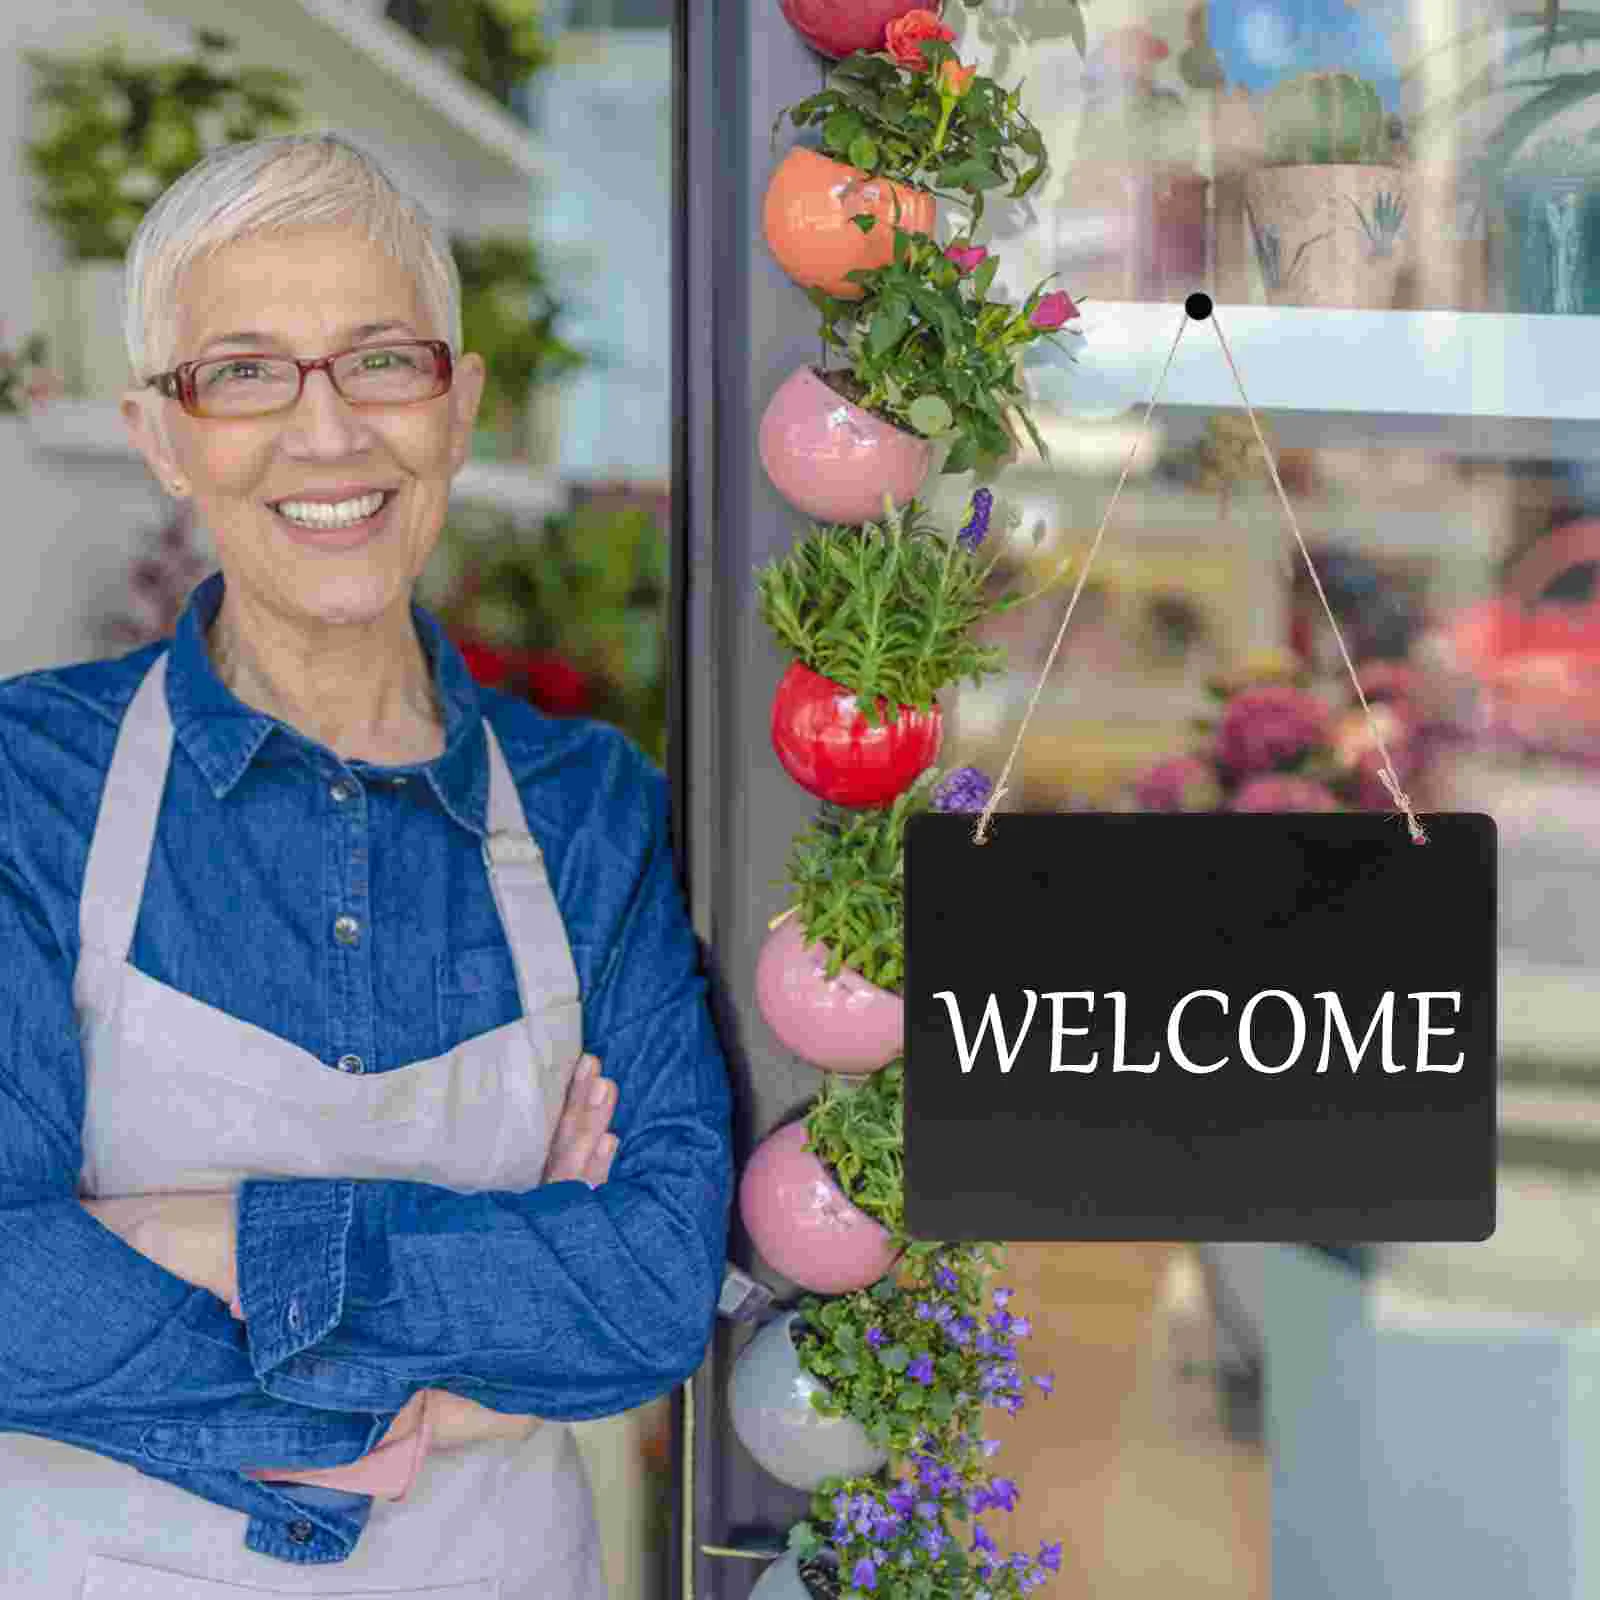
(1199, 307)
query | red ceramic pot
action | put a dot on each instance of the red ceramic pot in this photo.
(802, 1223)
(839, 28)
(827, 746)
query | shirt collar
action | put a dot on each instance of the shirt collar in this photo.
(222, 735)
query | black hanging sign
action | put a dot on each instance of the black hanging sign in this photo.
(1256, 1027)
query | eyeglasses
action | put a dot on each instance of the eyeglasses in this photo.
(258, 385)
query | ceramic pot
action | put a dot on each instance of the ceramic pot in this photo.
(1137, 233)
(833, 461)
(770, 1406)
(838, 28)
(807, 221)
(801, 1222)
(843, 1024)
(782, 1580)
(825, 743)
(1330, 235)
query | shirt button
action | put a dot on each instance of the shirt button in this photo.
(351, 1064)
(299, 1533)
(347, 930)
(342, 791)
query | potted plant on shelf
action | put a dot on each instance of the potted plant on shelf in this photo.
(508, 316)
(116, 134)
(901, 128)
(1327, 209)
(930, 359)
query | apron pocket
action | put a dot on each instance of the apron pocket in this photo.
(109, 1578)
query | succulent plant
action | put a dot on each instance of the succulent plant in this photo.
(1325, 119)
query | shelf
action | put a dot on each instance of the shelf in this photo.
(1470, 383)
(79, 428)
(368, 58)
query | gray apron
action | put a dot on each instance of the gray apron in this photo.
(181, 1096)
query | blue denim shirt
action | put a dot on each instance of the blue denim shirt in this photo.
(604, 1299)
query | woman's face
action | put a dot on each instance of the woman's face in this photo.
(306, 294)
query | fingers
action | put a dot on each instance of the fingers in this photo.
(599, 1168)
(575, 1150)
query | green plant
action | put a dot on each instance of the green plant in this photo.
(495, 44)
(938, 127)
(1325, 119)
(508, 316)
(887, 609)
(119, 133)
(857, 1130)
(928, 350)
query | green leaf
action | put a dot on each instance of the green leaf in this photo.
(983, 277)
(929, 415)
(863, 152)
(888, 324)
(841, 128)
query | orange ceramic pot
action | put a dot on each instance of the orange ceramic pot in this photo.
(809, 204)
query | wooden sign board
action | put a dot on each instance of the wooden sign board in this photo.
(1200, 1027)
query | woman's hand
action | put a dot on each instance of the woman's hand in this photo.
(194, 1236)
(582, 1146)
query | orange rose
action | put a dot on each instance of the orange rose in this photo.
(904, 34)
(955, 79)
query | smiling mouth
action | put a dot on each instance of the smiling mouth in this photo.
(350, 514)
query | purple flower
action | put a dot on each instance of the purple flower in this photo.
(1181, 783)
(924, 1311)
(875, 1337)
(1003, 1493)
(971, 536)
(981, 1539)
(1020, 1327)
(865, 1575)
(922, 1370)
(965, 789)
(1046, 1382)
(1284, 793)
(1002, 1298)
(1050, 1556)
(903, 1500)
(990, 1447)
(928, 1510)
(1265, 729)
(945, 1278)
(933, 1541)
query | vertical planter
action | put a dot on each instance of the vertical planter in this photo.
(1329, 235)
(844, 1024)
(832, 460)
(1552, 244)
(802, 1222)
(807, 214)
(769, 1403)
(838, 28)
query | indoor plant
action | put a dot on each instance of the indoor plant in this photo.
(900, 129)
(1327, 209)
(508, 316)
(496, 45)
(876, 621)
(929, 358)
(116, 134)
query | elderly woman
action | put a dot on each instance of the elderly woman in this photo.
(308, 1209)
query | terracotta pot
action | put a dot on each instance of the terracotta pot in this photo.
(807, 213)
(801, 1222)
(843, 1024)
(1310, 234)
(826, 745)
(834, 461)
(769, 1404)
(839, 28)
(1137, 233)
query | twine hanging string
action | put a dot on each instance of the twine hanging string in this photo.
(1386, 773)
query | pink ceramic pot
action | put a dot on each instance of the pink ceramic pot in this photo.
(839, 28)
(800, 1221)
(844, 1024)
(834, 461)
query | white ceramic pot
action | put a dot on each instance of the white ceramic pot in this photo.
(782, 1581)
(773, 1418)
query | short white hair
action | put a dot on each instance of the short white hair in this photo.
(300, 180)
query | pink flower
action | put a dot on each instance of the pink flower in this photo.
(1054, 309)
(1284, 794)
(1264, 729)
(905, 33)
(967, 257)
(1181, 783)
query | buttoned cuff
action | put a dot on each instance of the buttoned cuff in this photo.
(293, 1248)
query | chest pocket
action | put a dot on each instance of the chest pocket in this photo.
(476, 992)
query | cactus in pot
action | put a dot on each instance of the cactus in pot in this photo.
(1327, 208)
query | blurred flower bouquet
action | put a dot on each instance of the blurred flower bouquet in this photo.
(25, 381)
(570, 617)
(1276, 746)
